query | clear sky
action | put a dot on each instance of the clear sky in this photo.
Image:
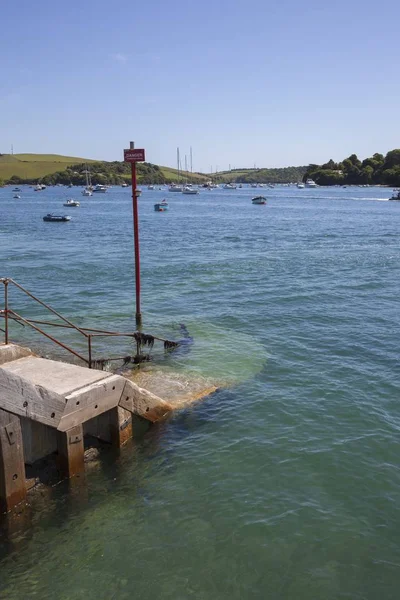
(243, 82)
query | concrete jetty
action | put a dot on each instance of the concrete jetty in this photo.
(48, 407)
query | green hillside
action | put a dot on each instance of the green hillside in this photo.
(281, 175)
(31, 167)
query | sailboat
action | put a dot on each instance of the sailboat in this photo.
(188, 187)
(88, 191)
(176, 187)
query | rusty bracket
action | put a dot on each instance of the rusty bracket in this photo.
(75, 439)
(10, 431)
(125, 424)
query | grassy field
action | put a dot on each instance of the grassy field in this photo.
(34, 166)
(172, 175)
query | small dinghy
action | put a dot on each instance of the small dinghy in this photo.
(71, 202)
(259, 200)
(161, 206)
(17, 196)
(56, 218)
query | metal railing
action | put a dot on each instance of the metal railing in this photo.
(9, 314)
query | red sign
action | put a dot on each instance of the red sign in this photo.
(136, 155)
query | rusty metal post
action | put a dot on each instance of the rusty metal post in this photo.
(136, 239)
(90, 351)
(6, 311)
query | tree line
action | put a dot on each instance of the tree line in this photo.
(375, 170)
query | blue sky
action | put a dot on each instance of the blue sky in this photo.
(242, 82)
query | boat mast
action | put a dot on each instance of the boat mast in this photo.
(178, 162)
(191, 161)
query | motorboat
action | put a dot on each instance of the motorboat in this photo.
(87, 192)
(150, 187)
(259, 200)
(175, 188)
(16, 189)
(230, 186)
(124, 185)
(71, 202)
(161, 206)
(188, 189)
(100, 189)
(310, 183)
(300, 185)
(253, 185)
(56, 218)
(39, 187)
(395, 196)
(16, 196)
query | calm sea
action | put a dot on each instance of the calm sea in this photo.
(285, 484)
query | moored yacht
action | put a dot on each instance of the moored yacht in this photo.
(310, 183)
(175, 188)
(99, 188)
(190, 190)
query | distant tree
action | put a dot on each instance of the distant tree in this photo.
(15, 179)
(366, 174)
(392, 159)
(330, 165)
(353, 158)
(327, 177)
(391, 176)
(379, 158)
(1, 182)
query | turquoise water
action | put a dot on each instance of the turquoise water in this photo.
(286, 483)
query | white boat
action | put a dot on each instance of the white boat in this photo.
(100, 189)
(300, 185)
(175, 188)
(88, 191)
(39, 187)
(71, 202)
(259, 200)
(253, 185)
(310, 183)
(230, 186)
(395, 196)
(150, 187)
(189, 190)
(124, 185)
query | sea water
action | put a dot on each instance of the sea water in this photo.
(283, 484)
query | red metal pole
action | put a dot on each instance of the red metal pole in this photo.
(136, 240)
